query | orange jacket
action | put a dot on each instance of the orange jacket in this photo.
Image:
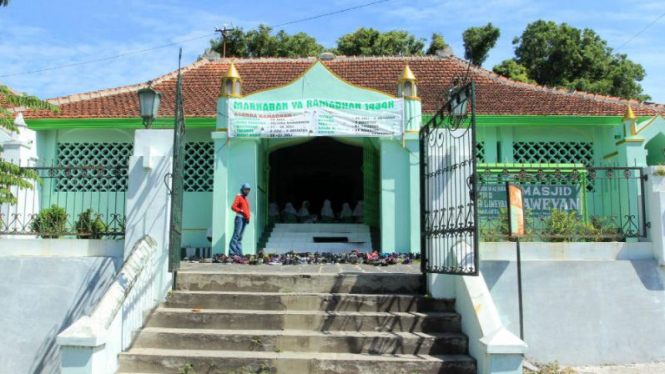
(241, 205)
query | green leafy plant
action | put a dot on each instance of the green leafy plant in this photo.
(563, 226)
(50, 222)
(500, 231)
(90, 225)
(255, 343)
(660, 171)
(12, 175)
(187, 369)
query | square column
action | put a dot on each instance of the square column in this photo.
(236, 162)
(395, 197)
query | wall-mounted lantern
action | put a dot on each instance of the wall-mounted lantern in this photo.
(149, 100)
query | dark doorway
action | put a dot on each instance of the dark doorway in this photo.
(320, 169)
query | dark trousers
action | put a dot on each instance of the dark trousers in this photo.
(235, 247)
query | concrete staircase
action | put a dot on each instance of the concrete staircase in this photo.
(319, 237)
(239, 322)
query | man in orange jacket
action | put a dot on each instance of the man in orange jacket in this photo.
(241, 207)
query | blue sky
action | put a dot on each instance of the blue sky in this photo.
(40, 34)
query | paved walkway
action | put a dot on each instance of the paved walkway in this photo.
(299, 269)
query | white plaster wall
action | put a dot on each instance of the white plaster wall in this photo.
(584, 312)
(61, 247)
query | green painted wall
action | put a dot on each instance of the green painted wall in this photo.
(197, 209)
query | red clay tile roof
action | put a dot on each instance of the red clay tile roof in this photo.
(495, 95)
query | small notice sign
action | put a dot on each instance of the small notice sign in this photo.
(515, 210)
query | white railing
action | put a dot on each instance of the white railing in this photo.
(92, 343)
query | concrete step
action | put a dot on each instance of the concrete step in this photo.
(301, 235)
(334, 248)
(151, 360)
(303, 341)
(304, 320)
(321, 227)
(354, 283)
(333, 302)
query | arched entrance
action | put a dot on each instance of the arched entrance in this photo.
(319, 169)
(656, 150)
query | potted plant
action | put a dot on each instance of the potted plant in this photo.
(50, 223)
(90, 225)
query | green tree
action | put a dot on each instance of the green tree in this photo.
(261, 42)
(10, 174)
(512, 69)
(478, 41)
(4, 2)
(436, 44)
(366, 42)
(561, 55)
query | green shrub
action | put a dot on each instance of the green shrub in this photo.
(89, 225)
(562, 226)
(499, 232)
(50, 222)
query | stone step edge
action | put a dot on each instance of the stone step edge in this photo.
(315, 294)
(291, 275)
(306, 333)
(302, 312)
(320, 356)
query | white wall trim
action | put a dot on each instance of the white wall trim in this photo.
(61, 247)
(579, 251)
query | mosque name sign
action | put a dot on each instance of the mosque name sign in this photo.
(539, 200)
(312, 117)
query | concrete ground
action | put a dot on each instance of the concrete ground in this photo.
(652, 368)
(41, 296)
(299, 269)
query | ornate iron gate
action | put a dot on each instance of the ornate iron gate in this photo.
(177, 179)
(448, 185)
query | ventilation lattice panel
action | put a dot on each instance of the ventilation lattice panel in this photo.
(110, 158)
(480, 152)
(553, 153)
(199, 166)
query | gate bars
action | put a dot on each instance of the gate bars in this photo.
(177, 179)
(448, 185)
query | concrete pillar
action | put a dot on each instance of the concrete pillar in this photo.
(654, 191)
(148, 201)
(395, 197)
(20, 148)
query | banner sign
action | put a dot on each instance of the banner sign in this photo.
(539, 199)
(312, 117)
(515, 210)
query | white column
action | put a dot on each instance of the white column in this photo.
(654, 192)
(148, 207)
(20, 149)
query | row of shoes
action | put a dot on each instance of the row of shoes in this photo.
(291, 258)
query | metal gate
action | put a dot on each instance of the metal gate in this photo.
(449, 215)
(177, 179)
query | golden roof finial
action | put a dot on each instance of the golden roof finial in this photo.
(407, 75)
(629, 116)
(232, 72)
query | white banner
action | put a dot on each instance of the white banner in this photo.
(312, 117)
